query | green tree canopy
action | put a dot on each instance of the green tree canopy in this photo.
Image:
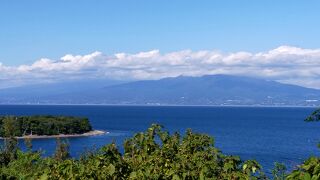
(43, 125)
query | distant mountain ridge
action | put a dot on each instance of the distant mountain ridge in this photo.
(205, 90)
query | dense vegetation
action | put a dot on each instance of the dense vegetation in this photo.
(153, 154)
(44, 125)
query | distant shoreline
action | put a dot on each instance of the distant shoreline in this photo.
(166, 105)
(90, 133)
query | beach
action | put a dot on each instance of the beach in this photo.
(90, 133)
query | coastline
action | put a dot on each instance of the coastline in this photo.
(168, 105)
(90, 133)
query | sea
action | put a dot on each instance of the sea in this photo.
(266, 134)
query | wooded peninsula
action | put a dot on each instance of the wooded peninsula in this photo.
(44, 125)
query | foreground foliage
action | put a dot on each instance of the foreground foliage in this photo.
(153, 154)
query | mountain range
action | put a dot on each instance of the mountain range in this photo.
(204, 90)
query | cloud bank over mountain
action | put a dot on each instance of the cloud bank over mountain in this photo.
(285, 64)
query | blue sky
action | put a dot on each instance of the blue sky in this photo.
(53, 41)
(35, 29)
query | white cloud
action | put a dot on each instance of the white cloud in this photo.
(286, 64)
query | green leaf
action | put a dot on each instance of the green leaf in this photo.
(307, 176)
(133, 175)
(111, 169)
(244, 167)
(44, 177)
(254, 169)
(201, 175)
(175, 177)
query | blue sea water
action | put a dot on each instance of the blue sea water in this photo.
(267, 134)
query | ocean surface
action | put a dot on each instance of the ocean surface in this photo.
(267, 134)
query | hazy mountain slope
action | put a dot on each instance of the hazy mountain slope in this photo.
(48, 91)
(205, 90)
(216, 89)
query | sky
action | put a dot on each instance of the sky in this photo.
(45, 41)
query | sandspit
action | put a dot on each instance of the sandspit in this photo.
(90, 133)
